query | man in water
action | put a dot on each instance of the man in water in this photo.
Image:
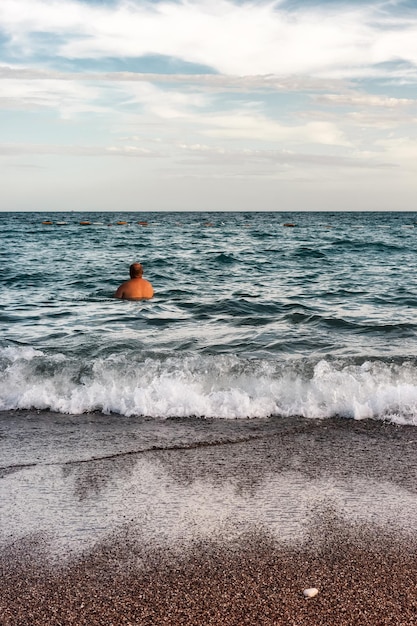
(137, 288)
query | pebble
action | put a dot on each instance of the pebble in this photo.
(310, 592)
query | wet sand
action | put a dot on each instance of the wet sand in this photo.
(220, 524)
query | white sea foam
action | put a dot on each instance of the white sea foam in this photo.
(224, 386)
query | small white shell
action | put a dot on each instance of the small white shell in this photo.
(311, 592)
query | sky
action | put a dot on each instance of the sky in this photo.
(223, 105)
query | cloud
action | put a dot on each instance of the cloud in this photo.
(391, 119)
(368, 110)
(240, 125)
(204, 154)
(69, 97)
(166, 104)
(145, 104)
(364, 100)
(18, 149)
(333, 40)
(201, 82)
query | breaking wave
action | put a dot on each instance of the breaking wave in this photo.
(214, 386)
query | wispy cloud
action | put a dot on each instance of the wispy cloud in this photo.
(257, 127)
(69, 97)
(17, 149)
(217, 83)
(207, 154)
(365, 100)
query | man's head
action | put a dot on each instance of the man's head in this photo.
(136, 270)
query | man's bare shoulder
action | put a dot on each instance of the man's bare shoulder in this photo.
(120, 290)
(135, 289)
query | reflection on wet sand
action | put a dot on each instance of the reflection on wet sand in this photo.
(213, 478)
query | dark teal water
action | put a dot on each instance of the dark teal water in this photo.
(250, 318)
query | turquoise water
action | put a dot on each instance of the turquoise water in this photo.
(251, 318)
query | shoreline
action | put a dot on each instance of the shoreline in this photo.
(218, 524)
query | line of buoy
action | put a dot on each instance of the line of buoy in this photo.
(82, 223)
(88, 223)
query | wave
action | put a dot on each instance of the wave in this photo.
(224, 386)
(305, 252)
(352, 245)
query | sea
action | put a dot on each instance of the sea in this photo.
(272, 378)
(255, 315)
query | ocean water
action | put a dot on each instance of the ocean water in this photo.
(251, 318)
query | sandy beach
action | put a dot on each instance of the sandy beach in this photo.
(226, 523)
(363, 577)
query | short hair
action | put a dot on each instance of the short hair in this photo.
(136, 270)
